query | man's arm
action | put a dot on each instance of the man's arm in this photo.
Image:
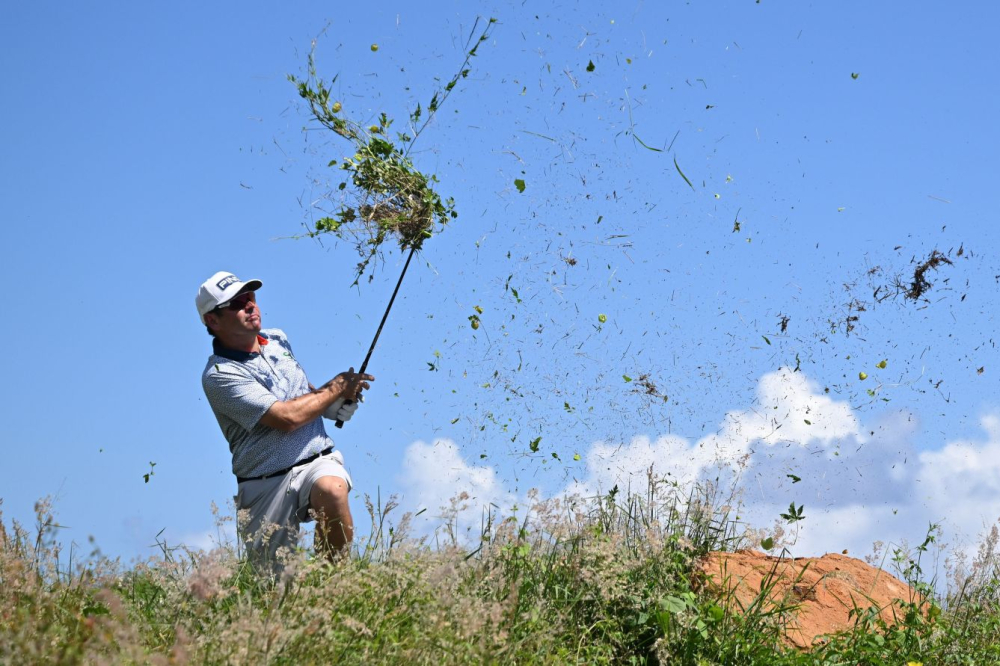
(290, 415)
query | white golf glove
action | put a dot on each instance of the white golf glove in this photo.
(341, 411)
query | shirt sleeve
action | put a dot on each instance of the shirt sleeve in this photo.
(233, 392)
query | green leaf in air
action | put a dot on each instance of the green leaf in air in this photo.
(794, 515)
(590, 66)
(519, 184)
(534, 444)
(626, 378)
(765, 339)
(767, 544)
(648, 147)
(678, 167)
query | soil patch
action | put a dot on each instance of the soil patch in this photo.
(821, 590)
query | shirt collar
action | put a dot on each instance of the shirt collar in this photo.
(235, 354)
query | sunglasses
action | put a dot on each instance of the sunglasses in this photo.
(239, 303)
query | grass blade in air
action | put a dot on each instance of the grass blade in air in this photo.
(678, 167)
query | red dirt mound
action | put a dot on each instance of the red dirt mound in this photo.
(823, 589)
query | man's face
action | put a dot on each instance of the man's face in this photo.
(239, 317)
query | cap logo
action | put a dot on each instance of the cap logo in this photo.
(226, 281)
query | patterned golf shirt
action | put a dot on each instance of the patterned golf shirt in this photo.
(242, 386)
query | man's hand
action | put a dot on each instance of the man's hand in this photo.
(341, 410)
(349, 385)
(292, 414)
(352, 384)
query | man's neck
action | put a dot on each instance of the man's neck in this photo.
(249, 343)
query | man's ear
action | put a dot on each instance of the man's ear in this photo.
(212, 320)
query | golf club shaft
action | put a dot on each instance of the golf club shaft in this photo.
(364, 366)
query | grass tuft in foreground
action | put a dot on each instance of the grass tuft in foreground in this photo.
(608, 579)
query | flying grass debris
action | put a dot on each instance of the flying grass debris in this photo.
(686, 179)
(389, 196)
(920, 283)
(646, 386)
(383, 195)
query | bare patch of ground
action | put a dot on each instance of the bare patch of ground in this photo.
(820, 592)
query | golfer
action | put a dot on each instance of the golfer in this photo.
(285, 464)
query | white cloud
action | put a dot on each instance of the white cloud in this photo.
(797, 412)
(773, 430)
(206, 540)
(437, 479)
(859, 483)
(628, 465)
(851, 528)
(961, 481)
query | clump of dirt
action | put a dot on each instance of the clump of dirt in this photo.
(819, 592)
(920, 284)
(910, 284)
(645, 386)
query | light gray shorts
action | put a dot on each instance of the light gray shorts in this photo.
(274, 508)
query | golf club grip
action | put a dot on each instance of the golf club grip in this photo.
(338, 422)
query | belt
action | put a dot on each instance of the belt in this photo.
(282, 472)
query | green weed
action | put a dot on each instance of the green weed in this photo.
(603, 580)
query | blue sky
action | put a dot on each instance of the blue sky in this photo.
(148, 147)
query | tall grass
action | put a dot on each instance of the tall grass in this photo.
(609, 579)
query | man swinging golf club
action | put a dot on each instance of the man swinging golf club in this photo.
(284, 462)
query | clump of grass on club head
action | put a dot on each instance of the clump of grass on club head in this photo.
(384, 195)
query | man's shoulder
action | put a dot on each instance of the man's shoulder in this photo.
(274, 334)
(217, 366)
(278, 337)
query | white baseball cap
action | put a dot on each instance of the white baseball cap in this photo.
(219, 289)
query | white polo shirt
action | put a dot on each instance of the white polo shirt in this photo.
(242, 386)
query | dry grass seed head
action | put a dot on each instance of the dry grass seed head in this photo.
(211, 570)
